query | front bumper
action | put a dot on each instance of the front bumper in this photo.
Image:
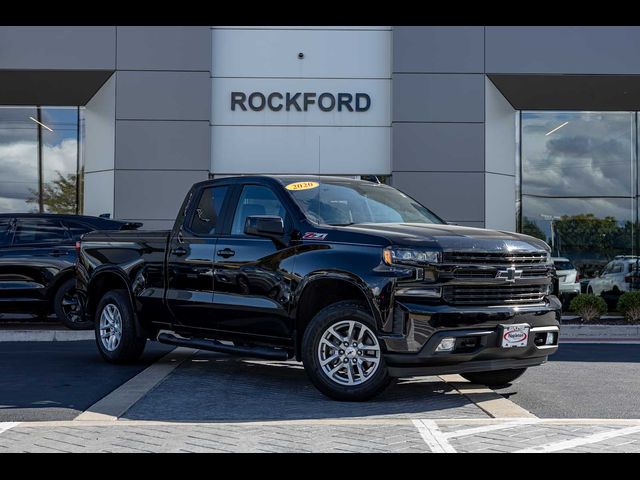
(478, 332)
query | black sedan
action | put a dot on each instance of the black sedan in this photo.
(37, 263)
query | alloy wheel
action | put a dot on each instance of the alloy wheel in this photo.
(110, 327)
(349, 353)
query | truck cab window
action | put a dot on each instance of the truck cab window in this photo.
(256, 200)
(205, 216)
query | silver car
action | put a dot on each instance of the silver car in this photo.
(568, 276)
(616, 277)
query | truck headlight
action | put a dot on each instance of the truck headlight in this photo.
(409, 256)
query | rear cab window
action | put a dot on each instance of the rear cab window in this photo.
(205, 217)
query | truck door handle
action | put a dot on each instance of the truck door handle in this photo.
(226, 253)
(179, 251)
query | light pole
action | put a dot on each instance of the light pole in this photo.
(550, 219)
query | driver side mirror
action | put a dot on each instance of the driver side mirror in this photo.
(265, 226)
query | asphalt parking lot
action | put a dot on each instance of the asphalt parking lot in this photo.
(59, 380)
(582, 381)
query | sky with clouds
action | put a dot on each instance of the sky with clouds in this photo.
(19, 152)
(591, 155)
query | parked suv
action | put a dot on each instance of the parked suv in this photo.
(37, 260)
(616, 277)
(355, 279)
(568, 279)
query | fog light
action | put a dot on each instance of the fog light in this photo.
(551, 339)
(419, 292)
(446, 344)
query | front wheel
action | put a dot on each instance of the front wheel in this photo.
(342, 355)
(497, 378)
(115, 329)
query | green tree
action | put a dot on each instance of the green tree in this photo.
(585, 233)
(530, 228)
(59, 195)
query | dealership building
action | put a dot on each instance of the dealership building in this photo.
(516, 128)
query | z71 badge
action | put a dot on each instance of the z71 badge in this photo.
(314, 236)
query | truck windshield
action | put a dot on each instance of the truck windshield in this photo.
(349, 202)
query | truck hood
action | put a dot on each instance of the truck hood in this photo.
(450, 237)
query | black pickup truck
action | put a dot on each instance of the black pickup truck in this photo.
(353, 278)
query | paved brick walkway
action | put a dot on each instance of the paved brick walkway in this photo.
(395, 435)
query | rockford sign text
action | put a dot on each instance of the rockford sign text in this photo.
(300, 101)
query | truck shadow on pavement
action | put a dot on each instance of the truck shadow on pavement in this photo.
(216, 387)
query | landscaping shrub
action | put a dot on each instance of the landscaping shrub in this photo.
(589, 307)
(629, 306)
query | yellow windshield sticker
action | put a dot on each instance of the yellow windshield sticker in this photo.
(302, 185)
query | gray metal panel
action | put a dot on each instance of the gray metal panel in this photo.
(453, 196)
(555, 49)
(438, 97)
(438, 147)
(58, 47)
(163, 145)
(163, 96)
(152, 194)
(164, 48)
(438, 49)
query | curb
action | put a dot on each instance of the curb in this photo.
(600, 333)
(45, 335)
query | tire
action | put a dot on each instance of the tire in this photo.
(67, 307)
(114, 310)
(497, 378)
(362, 379)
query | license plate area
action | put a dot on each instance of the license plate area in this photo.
(514, 335)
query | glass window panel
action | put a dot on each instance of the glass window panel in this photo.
(205, 217)
(18, 160)
(39, 230)
(589, 232)
(59, 158)
(577, 153)
(5, 235)
(256, 200)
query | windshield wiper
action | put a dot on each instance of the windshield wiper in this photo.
(341, 224)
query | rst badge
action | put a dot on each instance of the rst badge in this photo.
(314, 236)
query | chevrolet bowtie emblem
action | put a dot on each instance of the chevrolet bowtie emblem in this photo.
(510, 274)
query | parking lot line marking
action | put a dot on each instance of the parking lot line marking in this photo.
(576, 442)
(124, 397)
(4, 426)
(490, 402)
(489, 428)
(433, 437)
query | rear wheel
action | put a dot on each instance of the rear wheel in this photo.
(342, 355)
(497, 378)
(67, 307)
(115, 329)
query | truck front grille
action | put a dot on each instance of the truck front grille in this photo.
(494, 295)
(494, 258)
(469, 273)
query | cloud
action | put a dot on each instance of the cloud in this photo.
(591, 156)
(19, 169)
